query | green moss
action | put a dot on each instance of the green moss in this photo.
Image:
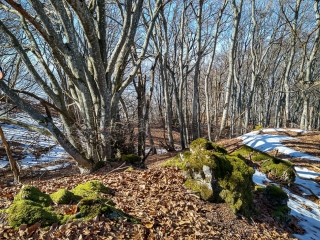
(178, 161)
(258, 127)
(283, 170)
(255, 155)
(201, 189)
(260, 189)
(91, 189)
(281, 213)
(62, 196)
(90, 208)
(130, 158)
(28, 192)
(31, 205)
(29, 212)
(204, 144)
(237, 185)
(64, 218)
(199, 158)
(276, 192)
(129, 169)
(234, 177)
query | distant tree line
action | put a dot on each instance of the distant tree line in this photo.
(204, 68)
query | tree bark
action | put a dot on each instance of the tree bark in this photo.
(13, 164)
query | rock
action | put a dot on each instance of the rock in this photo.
(131, 158)
(276, 195)
(31, 206)
(217, 176)
(273, 167)
(279, 199)
(62, 196)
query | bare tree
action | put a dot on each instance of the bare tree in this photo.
(87, 71)
(236, 9)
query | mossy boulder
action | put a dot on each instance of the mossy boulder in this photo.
(62, 196)
(88, 199)
(204, 144)
(282, 214)
(91, 189)
(252, 154)
(276, 195)
(279, 200)
(179, 160)
(30, 212)
(28, 192)
(130, 158)
(279, 169)
(217, 176)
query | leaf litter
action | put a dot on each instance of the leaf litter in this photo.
(166, 209)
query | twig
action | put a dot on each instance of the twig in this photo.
(118, 168)
(308, 190)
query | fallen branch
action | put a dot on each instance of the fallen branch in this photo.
(308, 190)
(118, 168)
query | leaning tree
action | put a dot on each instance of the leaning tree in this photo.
(78, 54)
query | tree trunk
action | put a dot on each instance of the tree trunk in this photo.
(13, 163)
(236, 19)
(195, 102)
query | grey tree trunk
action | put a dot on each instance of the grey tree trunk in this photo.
(208, 72)
(308, 78)
(195, 104)
(236, 9)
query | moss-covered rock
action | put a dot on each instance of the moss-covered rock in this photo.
(31, 193)
(282, 213)
(276, 195)
(279, 200)
(280, 169)
(62, 196)
(31, 205)
(179, 160)
(130, 158)
(204, 144)
(260, 189)
(29, 212)
(252, 154)
(203, 189)
(91, 189)
(237, 185)
(216, 176)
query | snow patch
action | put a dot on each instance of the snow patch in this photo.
(306, 211)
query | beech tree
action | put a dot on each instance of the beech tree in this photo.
(78, 53)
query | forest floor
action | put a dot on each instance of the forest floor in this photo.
(157, 197)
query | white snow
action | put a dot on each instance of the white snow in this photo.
(268, 142)
(259, 178)
(306, 173)
(55, 167)
(306, 211)
(29, 141)
(308, 214)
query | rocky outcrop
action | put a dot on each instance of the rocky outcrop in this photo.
(217, 176)
(276, 169)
